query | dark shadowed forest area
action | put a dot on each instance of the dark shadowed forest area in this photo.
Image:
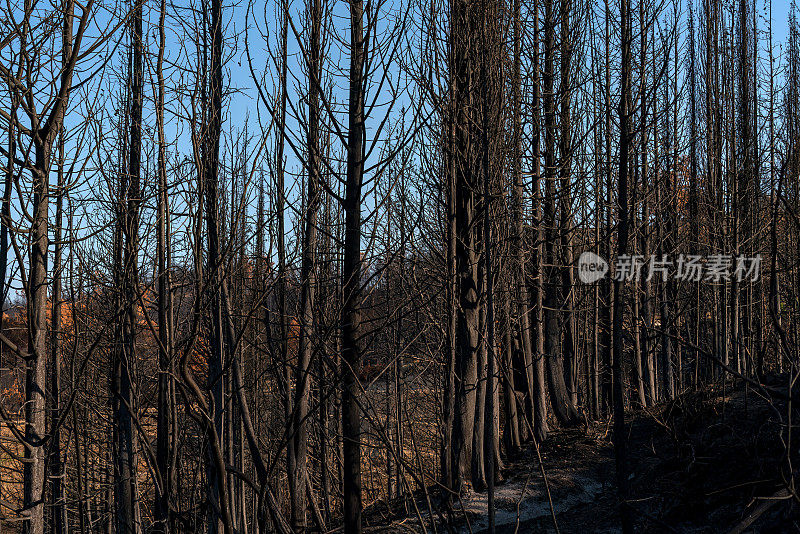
(395, 266)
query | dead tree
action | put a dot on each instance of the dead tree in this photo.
(126, 494)
(298, 430)
(620, 439)
(350, 323)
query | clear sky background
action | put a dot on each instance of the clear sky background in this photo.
(259, 21)
(243, 103)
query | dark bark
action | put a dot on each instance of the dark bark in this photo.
(553, 305)
(517, 241)
(462, 20)
(351, 276)
(570, 354)
(620, 437)
(297, 449)
(43, 131)
(606, 285)
(167, 420)
(536, 372)
(126, 468)
(219, 511)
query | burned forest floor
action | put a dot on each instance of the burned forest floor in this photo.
(710, 461)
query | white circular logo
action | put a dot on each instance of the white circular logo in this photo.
(591, 267)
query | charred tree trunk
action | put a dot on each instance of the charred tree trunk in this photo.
(219, 510)
(570, 353)
(297, 449)
(126, 477)
(536, 372)
(43, 134)
(517, 249)
(620, 438)
(167, 416)
(351, 275)
(559, 395)
(462, 22)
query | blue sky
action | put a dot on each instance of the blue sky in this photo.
(242, 104)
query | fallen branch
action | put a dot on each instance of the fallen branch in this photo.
(768, 502)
